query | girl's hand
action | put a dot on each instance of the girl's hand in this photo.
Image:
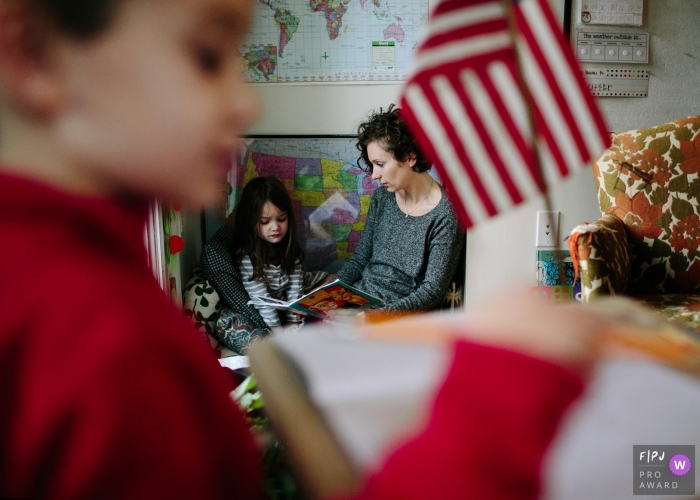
(296, 326)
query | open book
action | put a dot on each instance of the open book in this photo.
(335, 301)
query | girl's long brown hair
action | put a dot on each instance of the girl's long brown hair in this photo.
(246, 240)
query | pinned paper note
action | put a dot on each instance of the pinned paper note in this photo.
(621, 12)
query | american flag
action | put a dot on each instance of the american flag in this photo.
(465, 105)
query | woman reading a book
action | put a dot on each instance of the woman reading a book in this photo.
(411, 242)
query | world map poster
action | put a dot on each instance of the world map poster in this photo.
(330, 192)
(332, 40)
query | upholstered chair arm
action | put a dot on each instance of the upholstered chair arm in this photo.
(600, 254)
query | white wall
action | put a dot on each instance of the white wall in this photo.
(319, 109)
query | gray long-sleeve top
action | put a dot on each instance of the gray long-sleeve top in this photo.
(407, 261)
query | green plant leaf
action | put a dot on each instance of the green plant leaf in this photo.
(659, 196)
(245, 400)
(243, 388)
(660, 249)
(613, 184)
(678, 262)
(679, 184)
(665, 221)
(660, 145)
(666, 127)
(597, 268)
(676, 156)
(257, 401)
(681, 208)
(683, 134)
(644, 133)
(694, 188)
(204, 302)
(604, 201)
(586, 280)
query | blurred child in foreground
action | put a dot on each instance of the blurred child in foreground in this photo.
(105, 390)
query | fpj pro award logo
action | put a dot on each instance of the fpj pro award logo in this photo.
(664, 469)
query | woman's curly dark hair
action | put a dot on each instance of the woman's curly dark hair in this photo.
(391, 132)
(79, 18)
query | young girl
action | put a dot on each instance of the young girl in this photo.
(266, 249)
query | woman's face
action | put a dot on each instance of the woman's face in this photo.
(273, 223)
(391, 173)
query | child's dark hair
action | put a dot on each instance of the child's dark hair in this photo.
(79, 18)
(246, 241)
(391, 132)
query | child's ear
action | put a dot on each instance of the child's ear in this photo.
(27, 73)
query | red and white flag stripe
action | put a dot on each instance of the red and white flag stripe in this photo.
(465, 106)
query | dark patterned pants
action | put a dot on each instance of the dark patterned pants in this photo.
(236, 331)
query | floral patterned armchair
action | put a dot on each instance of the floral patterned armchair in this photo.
(647, 243)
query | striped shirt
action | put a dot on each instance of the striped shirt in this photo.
(407, 261)
(221, 272)
(282, 286)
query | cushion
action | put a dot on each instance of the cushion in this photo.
(201, 303)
